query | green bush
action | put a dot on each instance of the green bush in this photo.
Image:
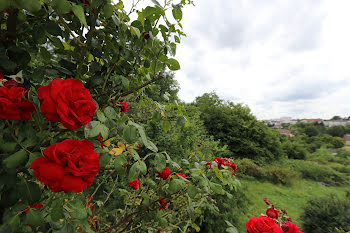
(323, 214)
(279, 175)
(314, 171)
(249, 168)
(294, 149)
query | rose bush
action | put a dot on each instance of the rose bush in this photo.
(86, 65)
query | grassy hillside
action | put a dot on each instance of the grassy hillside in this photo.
(292, 198)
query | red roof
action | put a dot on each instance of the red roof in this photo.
(285, 131)
(347, 137)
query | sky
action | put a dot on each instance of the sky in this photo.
(279, 57)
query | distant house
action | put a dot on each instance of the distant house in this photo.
(318, 120)
(347, 139)
(286, 132)
(331, 123)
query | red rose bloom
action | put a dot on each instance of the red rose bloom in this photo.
(67, 166)
(262, 224)
(13, 105)
(272, 213)
(293, 228)
(208, 164)
(165, 173)
(233, 166)
(35, 206)
(12, 83)
(266, 201)
(124, 106)
(182, 175)
(135, 184)
(163, 204)
(219, 161)
(67, 101)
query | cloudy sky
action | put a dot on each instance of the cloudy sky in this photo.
(280, 57)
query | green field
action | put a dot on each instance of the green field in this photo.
(292, 198)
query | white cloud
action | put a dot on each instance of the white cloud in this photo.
(282, 58)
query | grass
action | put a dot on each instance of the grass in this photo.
(292, 198)
(346, 147)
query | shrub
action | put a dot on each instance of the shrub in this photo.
(323, 214)
(280, 175)
(314, 171)
(249, 168)
(294, 150)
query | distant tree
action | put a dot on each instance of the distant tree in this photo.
(311, 130)
(335, 118)
(235, 126)
(336, 131)
(285, 125)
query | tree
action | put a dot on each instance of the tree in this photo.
(235, 126)
(336, 131)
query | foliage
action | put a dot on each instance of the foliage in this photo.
(294, 149)
(249, 168)
(279, 175)
(235, 126)
(324, 214)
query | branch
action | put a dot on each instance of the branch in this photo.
(156, 78)
(64, 24)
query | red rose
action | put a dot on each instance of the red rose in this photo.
(67, 101)
(165, 173)
(233, 166)
(272, 213)
(262, 224)
(124, 106)
(67, 166)
(135, 184)
(35, 206)
(293, 228)
(182, 175)
(13, 105)
(12, 83)
(266, 201)
(163, 204)
(219, 161)
(208, 164)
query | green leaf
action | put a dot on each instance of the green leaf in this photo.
(14, 222)
(135, 31)
(100, 116)
(76, 209)
(176, 185)
(34, 217)
(16, 159)
(110, 112)
(4, 4)
(143, 167)
(218, 174)
(173, 64)
(62, 6)
(156, 3)
(30, 5)
(130, 134)
(8, 146)
(120, 163)
(177, 13)
(166, 125)
(79, 12)
(144, 139)
(108, 10)
(217, 188)
(192, 191)
(134, 171)
(159, 162)
(56, 212)
(94, 128)
(67, 228)
(30, 191)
